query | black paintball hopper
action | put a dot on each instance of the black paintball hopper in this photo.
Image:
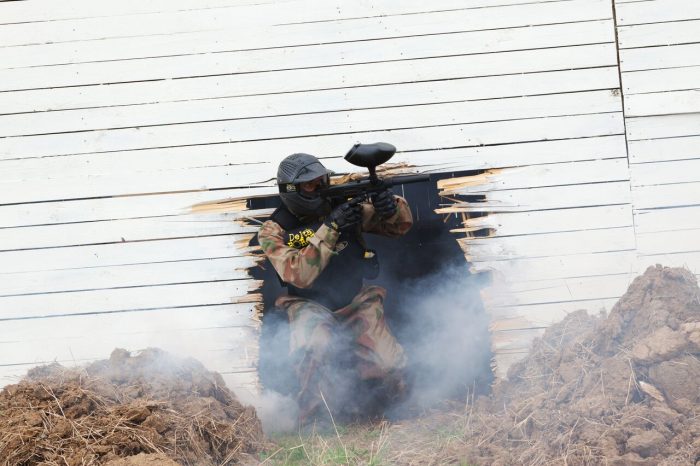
(370, 155)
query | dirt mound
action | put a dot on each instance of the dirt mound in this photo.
(153, 405)
(618, 390)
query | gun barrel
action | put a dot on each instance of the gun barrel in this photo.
(366, 186)
(407, 179)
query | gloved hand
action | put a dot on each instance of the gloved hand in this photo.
(384, 204)
(345, 215)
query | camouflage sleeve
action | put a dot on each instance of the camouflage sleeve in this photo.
(394, 226)
(299, 267)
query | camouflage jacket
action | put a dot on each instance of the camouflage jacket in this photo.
(300, 266)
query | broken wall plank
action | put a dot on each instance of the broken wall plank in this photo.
(124, 299)
(123, 253)
(553, 268)
(74, 234)
(550, 221)
(551, 244)
(127, 275)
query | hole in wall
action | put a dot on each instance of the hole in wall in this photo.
(433, 304)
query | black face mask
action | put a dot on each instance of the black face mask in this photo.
(306, 205)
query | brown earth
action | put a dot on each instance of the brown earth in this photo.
(622, 389)
(142, 410)
(618, 390)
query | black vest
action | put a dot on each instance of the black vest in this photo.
(342, 278)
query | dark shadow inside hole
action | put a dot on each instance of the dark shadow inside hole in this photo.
(433, 304)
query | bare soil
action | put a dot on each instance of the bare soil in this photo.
(622, 389)
(149, 409)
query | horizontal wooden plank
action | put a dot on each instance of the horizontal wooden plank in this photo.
(658, 150)
(111, 208)
(547, 314)
(45, 347)
(663, 196)
(170, 65)
(513, 342)
(550, 221)
(654, 58)
(550, 197)
(550, 244)
(361, 28)
(259, 159)
(479, 134)
(656, 11)
(558, 267)
(216, 177)
(442, 160)
(244, 383)
(141, 252)
(205, 270)
(310, 125)
(546, 175)
(127, 299)
(667, 242)
(689, 260)
(663, 126)
(510, 155)
(22, 12)
(671, 219)
(81, 9)
(663, 103)
(114, 231)
(681, 171)
(339, 77)
(227, 47)
(156, 321)
(414, 150)
(651, 35)
(557, 291)
(311, 102)
(670, 79)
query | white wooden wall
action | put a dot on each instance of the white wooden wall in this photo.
(660, 64)
(575, 238)
(116, 116)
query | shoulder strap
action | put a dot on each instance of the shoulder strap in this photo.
(284, 218)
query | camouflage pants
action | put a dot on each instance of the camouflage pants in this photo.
(346, 359)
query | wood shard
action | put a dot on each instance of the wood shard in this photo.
(248, 298)
(451, 186)
(220, 206)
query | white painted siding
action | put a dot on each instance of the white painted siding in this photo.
(116, 116)
(660, 62)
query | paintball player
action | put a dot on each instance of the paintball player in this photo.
(344, 355)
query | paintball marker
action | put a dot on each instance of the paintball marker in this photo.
(369, 156)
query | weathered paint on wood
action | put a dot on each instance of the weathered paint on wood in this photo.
(116, 117)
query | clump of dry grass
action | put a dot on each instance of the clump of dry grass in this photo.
(88, 417)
